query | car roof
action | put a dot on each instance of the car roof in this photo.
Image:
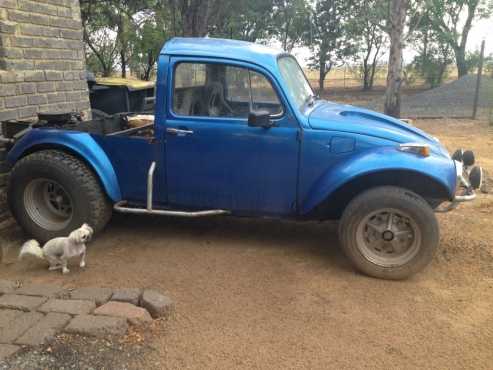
(222, 48)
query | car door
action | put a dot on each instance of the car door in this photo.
(214, 160)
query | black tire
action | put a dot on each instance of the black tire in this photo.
(411, 243)
(3, 154)
(86, 198)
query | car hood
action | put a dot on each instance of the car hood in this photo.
(346, 118)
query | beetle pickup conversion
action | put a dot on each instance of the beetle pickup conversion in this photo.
(238, 130)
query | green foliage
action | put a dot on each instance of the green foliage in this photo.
(369, 39)
(328, 37)
(290, 19)
(242, 20)
(452, 21)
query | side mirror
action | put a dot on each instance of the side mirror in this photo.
(260, 118)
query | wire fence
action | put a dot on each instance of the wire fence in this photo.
(453, 97)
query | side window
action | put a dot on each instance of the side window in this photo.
(189, 81)
(264, 97)
(218, 90)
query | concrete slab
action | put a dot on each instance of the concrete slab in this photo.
(7, 286)
(21, 302)
(129, 295)
(157, 304)
(12, 330)
(7, 350)
(44, 329)
(98, 326)
(41, 290)
(134, 315)
(98, 295)
(69, 306)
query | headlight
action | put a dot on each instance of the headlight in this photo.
(419, 149)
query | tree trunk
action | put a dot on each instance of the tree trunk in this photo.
(321, 78)
(366, 75)
(123, 61)
(195, 17)
(106, 71)
(460, 61)
(374, 67)
(150, 64)
(394, 75)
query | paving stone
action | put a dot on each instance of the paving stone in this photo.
(44, 330)
(7, 350)
(129, 295)
(7, 286)
(157, 304)
(21, 302)
(99, 295)
(13, 325)
(70, 306)
(98, 326)
(134, 315)
(42, 290)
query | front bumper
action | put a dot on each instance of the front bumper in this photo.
(465, 187)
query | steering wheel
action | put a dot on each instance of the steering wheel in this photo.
(217, 104)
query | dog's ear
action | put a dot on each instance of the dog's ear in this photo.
(75, 236)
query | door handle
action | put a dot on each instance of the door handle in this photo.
(178, 131)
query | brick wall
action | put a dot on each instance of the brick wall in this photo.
(41, 58)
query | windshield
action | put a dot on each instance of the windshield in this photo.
(295, 79)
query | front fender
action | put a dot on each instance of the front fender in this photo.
(387, 158)
(80, 143)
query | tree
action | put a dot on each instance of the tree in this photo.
(397, 20)
(434, 53)
(98, 37)
(194, 16)
(290, 20)
(453, 20)
(328, 36)
(152, 30)
(242, 20)
(369, 40)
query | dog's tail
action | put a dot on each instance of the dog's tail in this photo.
(31, 248)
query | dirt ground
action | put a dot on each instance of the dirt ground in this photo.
(258, 294)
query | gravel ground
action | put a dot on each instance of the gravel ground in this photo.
(257, 294)
(83, 353)
(454, 99)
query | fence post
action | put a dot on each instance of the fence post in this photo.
(344, 76)
(478, 82)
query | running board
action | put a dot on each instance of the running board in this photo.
(121, 206)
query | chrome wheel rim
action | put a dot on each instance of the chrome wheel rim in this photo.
(48, 205)
(388, 237)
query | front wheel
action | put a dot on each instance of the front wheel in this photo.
(389, 232)
(51, 193)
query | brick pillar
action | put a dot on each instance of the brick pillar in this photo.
(42, 67)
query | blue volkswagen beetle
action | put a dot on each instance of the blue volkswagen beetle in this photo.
(237, 130)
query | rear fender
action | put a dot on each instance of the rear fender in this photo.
(79, 143)
(440, 169)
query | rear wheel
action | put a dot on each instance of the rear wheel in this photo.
(52, 193)
(389, 232)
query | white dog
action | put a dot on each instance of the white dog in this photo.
(58, 251)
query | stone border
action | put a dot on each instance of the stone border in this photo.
(33, 314)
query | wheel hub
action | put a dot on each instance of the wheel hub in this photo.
(388, 237)
(48, 204)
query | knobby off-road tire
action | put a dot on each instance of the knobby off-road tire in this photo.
(389, 233)
(52, 193)
(4, 167)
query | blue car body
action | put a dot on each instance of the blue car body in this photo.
(307, 166)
